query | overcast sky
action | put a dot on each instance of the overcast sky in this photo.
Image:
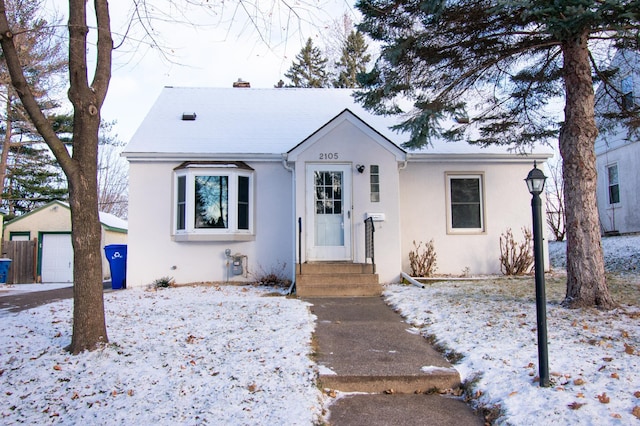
(204, 46)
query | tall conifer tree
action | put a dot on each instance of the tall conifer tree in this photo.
(353, 61)
(510, 57)
(309, 68)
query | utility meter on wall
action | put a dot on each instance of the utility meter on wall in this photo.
(236, 266)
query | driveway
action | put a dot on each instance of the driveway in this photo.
(19, 297)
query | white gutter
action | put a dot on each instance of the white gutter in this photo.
(293, 215)
(411, 280)
(477, 158)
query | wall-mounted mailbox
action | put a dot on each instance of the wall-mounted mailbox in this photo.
(377, 217)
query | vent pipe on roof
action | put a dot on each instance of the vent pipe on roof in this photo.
(241, 83)
(188, 116)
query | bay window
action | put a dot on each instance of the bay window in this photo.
(213, 201)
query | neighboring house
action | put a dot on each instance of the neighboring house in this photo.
(618, 151)
(50, 226)
(230, 184)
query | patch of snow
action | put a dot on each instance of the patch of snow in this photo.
(621, 253)
(9, 289)
(192, 355)
(323, 369)
(432, 369)
(594, 357)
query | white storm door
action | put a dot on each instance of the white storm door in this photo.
(328, 212)
(57, 258)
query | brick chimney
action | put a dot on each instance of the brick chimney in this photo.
(241, 83)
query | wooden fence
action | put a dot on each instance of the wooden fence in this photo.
(23, 256)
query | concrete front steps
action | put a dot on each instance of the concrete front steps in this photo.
(337, 279)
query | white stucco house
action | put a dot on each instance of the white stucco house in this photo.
(618, 151)
(228, 183)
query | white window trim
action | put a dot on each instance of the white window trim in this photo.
(483, 222)
(608, 184)
(231, 233)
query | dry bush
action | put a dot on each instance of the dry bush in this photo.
(516, 258)
(276, 276)
(423, 261)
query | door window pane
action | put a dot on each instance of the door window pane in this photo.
(328, 192)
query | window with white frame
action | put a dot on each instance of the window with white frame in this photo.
(374, 177)
(466, 202)
(626, 87)
(213, 199)
(614, 184)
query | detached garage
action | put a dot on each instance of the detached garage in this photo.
(39, 243)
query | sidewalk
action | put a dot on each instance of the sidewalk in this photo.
(365, 347)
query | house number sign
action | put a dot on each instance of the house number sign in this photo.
(328, 156)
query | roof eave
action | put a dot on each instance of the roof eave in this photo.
(477, 157)
(194, 156)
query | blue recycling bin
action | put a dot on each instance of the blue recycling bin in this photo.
(117, 256)
(4, 270)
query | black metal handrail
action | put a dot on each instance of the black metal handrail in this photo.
(300, 245)
(369, 246)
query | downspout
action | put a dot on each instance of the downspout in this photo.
(293, 215)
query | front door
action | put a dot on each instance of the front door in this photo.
(328, 212)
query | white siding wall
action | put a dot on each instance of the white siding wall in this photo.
(424, 209)
(152, 253)
(624, 216)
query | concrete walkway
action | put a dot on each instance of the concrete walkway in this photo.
(364, 346)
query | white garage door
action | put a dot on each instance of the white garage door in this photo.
(57, 258)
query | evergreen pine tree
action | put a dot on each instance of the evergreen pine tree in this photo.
(33, 179)
(309, 68)
(508, 59)
(42, 52)
(353, 61)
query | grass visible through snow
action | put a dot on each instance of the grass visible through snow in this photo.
(594, 356)
(624, 288)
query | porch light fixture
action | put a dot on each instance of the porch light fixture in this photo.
(535, 180)
(535, 183)
(360, 168)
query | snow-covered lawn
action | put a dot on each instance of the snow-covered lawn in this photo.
(188, 355)
(594, 357)
(234, 355)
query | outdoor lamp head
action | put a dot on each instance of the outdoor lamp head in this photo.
(535, 180)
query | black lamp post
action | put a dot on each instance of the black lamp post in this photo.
(535, 182)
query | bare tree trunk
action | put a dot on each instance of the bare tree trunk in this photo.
(586, 282)
(6, 144)
(89, 329)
